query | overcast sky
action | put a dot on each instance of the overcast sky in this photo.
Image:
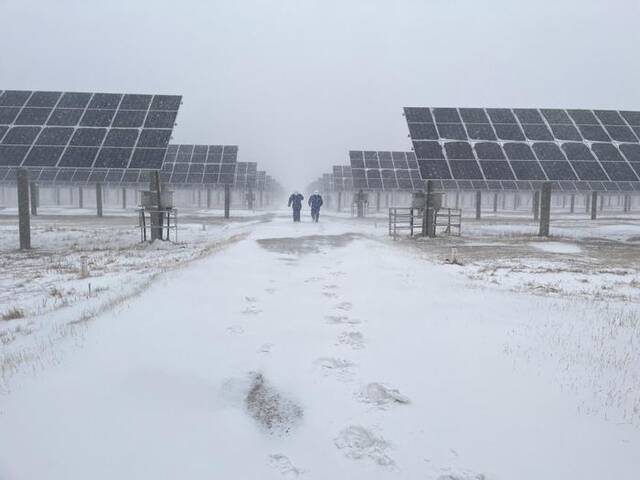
(297, 83)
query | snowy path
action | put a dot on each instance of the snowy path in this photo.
(270, 360)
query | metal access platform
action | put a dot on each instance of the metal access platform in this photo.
(163, 228)
(162, 218)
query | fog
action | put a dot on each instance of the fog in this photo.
(296, 84)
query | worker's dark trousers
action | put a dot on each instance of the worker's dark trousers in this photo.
(315, 214)
(296, 214)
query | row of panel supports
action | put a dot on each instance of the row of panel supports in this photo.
(541, 203)
(76, 197)
(517, 202)
(28, 197)
(541, 206)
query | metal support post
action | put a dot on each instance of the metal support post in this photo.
(99, 199)
(427, 230)
(587, 203)
(227, 200)
(24, 220)
(33, 191)
(545, 209)
(156, 218)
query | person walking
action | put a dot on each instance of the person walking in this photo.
(315, 202)
(295, 201)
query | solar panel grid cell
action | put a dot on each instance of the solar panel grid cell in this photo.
(381, 170)
(204, 164)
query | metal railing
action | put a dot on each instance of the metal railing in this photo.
(365, 209)
(409, 221)
(168, 222)
(450, 219)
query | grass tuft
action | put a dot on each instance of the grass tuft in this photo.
(12, 314)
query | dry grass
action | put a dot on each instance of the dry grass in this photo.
(12, 314)
(41, 352)
(594, 347)
(55, 292)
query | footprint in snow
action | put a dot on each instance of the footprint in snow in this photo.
(354, 340)
(341, 319)
(284, 466)
(358, 442)
(270, 290)
(344, 306)
(381, 395)
(235, 330)
(313, 279)
(330, 294)
(265, 348)
(251, 310)
(289, 261)
(338, 367)
(456, 474)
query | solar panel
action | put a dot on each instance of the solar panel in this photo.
(384, 170)
(327, 182)
(245, 175)
(85, 130)
(338, 178)
(252, 175)
(516, 147)
(261, 180)
(200, 164)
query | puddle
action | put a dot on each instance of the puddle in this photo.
(306, 245)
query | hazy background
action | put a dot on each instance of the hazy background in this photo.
(297, 83)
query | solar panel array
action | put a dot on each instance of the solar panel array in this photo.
(261, 180)
(246, 175)
(342, 178)
(502, 148)
(200, 164)
(272, 185)
(385, 170)
(85, 130)
(327, 182)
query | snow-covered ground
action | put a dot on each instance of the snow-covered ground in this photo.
(326, 351)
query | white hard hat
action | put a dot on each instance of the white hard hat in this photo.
(316, 192)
